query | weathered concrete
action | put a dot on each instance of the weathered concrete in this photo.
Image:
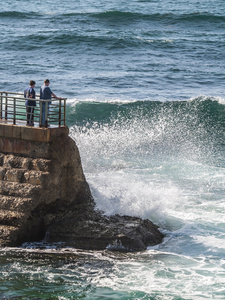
(28, 141)
(44, 194)
(38, 134)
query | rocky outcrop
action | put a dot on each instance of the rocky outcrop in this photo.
(99, 232)
(44, 195)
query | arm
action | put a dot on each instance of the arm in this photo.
(54, 96)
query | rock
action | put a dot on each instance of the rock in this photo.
(46, 196)
(99, 232)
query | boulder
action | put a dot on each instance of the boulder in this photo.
(99, 232)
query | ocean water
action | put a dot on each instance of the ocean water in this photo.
(146, 106)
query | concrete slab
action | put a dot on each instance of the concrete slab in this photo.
(29, 141)
(38, 134)
(8, 131)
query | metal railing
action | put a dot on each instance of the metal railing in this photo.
(13, 110)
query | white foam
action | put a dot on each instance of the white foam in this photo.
(205, 98)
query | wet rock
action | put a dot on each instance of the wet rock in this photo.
(99, 232)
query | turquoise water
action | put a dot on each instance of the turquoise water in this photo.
(145, 88)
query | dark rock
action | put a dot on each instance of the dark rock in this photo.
(98, 232)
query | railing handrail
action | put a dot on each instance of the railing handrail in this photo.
(37, 95)
(12, 99)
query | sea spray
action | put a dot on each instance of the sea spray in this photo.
(149, 159)
(188, 130)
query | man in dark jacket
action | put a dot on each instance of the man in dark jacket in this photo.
(29, 94)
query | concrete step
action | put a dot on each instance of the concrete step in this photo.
(9, 174)
(35, 177)
(22, 190)
(22, 175)
(27, 163)
(15, 203)
(6, 232)
(11, 218)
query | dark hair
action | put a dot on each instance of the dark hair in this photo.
(32, 82)
(46, 81)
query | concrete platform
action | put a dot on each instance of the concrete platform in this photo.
(27, 140)
(35, 133)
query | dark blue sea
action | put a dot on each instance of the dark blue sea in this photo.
(145, 86)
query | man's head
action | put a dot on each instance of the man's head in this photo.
(32, 83)
(46, 82)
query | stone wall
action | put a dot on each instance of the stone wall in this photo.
(21, 184)
(40, 181)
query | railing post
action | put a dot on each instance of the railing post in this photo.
(46, 113)
(64, 112)
(6, 105)
(60, 111)
(40, 119)
(1, 105)
(14, 111)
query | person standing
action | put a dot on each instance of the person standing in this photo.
(29, 94)
(46, 94)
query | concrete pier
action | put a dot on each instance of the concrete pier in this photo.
(41, 181)
(28, 141)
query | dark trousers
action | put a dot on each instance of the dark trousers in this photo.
(30, 115)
